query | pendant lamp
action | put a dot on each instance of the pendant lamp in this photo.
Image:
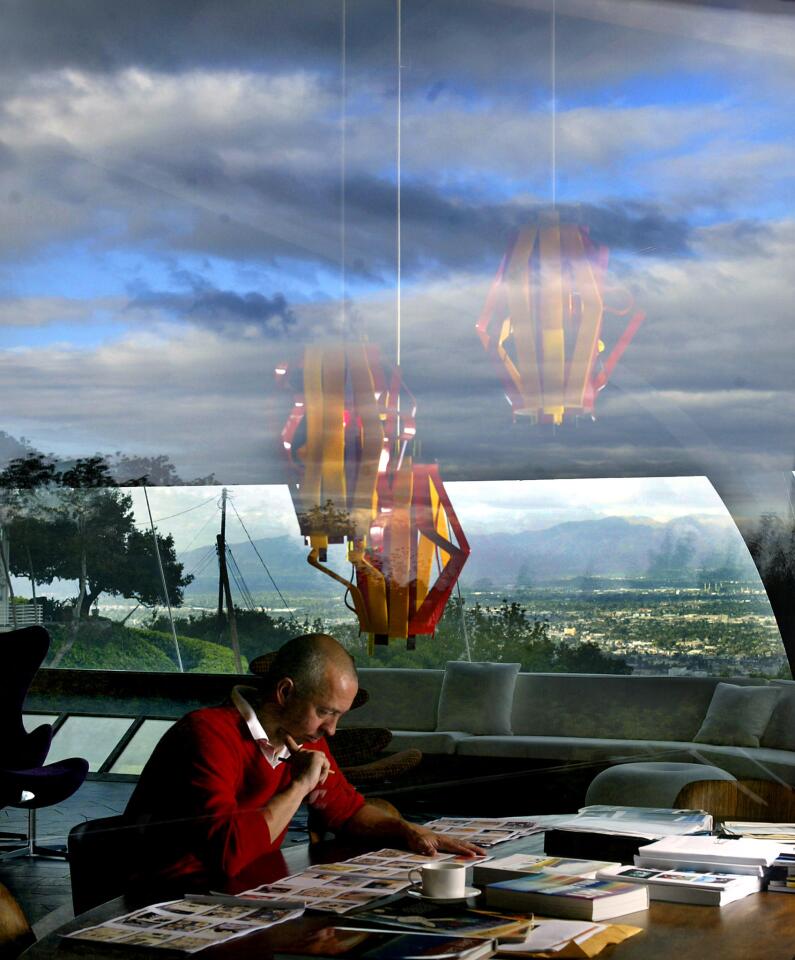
(542, 322)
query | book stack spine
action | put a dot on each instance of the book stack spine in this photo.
(782, 879)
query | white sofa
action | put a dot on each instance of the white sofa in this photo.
(582, 718)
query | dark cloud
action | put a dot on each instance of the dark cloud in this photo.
(209, 306)
(447, 232)
(446, 42)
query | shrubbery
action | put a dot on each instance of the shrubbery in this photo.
(108, 646)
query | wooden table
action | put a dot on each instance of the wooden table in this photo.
(759, 927)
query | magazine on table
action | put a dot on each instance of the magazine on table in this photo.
(342, 887)
(426, 916)
(353, 944)
(485, 831)
(651, 823)
(187, 925)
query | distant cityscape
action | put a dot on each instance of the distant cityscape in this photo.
(676, 597)
(718, 628)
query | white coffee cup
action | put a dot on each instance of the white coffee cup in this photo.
(442, 881)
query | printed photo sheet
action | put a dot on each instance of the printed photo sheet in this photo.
(344, 886)
(186, 925)
(485, 831)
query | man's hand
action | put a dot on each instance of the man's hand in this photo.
(309, 767)
(422, 840)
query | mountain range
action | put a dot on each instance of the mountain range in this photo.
(608, 547)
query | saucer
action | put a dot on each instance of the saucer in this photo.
(416, 891)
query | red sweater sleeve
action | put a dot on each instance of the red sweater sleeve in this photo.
(230, 783)
(336, 799)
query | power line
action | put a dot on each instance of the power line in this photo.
(142, 523)
(196, 507)
(198, 533)
(240, 580)
(265, 565)
(202, 563)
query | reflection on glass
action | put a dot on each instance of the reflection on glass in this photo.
(33, 720)
(137, 752)
(90, 737)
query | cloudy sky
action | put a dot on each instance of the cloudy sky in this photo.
(172, 178)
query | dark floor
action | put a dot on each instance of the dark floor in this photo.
(42, 886)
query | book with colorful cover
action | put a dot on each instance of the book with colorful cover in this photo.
(571, 897)
(688, 886)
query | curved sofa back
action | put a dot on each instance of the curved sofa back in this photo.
(573, 705)
(612, 707)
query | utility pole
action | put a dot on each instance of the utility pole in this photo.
(224, 590)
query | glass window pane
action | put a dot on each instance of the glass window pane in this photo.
(33, 720)
(138, 750)
(89, 737)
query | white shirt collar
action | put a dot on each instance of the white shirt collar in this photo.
(272, 754)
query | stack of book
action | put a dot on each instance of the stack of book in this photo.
(782, 876)
(617, 833)
(688, 886)
(741, 857)
(782, 873)
(571, 897)
(711, 870)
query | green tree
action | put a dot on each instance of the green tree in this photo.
(76, 525)
(257, 631)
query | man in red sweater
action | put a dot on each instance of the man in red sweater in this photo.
(221, 787)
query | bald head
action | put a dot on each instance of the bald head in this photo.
(307, 660)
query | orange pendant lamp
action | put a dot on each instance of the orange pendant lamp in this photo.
(347, 440)
(542, 322)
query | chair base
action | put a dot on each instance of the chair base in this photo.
(29, 848)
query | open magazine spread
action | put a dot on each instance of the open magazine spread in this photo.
(340, 887)
(199, 921)
(485, 831)
(187, 925)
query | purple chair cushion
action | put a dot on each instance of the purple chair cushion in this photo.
(49, 784)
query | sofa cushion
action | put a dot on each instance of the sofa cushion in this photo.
(477, 697)
(400, 699)
(737, 716)
(780, 732)
(611, 706)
